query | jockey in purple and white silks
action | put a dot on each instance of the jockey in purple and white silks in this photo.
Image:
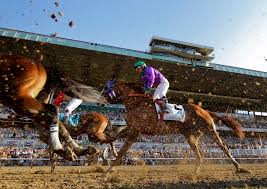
(109, 88)
(152, 77)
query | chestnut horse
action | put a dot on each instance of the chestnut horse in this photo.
(141, 118)
(93, 124)
(22, 80)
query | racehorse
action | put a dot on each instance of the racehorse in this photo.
(93, 124)
(141, 118)
(22, 79)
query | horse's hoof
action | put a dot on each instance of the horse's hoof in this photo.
(68, 154)
(110, 170)
(242, 170)
(92, 151)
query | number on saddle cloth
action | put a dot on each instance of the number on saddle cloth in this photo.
(176, 112)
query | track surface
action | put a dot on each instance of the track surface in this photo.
(141, 176)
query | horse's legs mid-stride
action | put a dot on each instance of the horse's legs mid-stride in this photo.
(193, 142)
(53, 160)
(226, 150)
(115, 153)
(129, 140)
(78, 150)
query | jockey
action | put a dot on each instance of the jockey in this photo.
(71, 106)
(109, 90)
(152, 77)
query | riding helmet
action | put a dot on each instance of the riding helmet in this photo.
(139, 64)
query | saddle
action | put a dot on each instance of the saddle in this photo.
(175, 112)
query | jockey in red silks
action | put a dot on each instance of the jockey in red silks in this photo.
(152, 77)
(59, 99)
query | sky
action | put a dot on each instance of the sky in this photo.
(236, 29)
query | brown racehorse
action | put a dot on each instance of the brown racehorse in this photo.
(141, 118)
(21, 81)
(94, 124)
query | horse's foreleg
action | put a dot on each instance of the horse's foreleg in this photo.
(44, 115)
(127, 144)
(66, 153)
(78, 150)
(53, 159)
(117, 135)
(115, 153)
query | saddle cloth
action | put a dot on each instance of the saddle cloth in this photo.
(176, 112)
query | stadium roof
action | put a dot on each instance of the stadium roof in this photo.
(215, 85)
(204, 50)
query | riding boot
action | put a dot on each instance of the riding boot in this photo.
(52, 116)
(164, 105)
(56, 145)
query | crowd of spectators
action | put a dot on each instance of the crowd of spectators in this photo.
(7, 152)
(13, 132)
(171, 146)
(148, 147)
(151, 149)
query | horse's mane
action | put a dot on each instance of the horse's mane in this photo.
(84, 92)
(81, 91)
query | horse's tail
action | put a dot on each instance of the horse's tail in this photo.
(229, 122)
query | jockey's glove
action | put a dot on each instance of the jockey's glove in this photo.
(147, 91)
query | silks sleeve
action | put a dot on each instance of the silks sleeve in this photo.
(58, 100)
(150, 78)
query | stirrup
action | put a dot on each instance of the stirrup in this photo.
(165, 111)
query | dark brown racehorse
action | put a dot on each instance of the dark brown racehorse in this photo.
(22, 80)
(141, 118)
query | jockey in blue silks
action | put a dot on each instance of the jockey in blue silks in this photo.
(152, 77)
(72, 120)
(71, 106)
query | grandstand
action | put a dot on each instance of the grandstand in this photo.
(223, 89)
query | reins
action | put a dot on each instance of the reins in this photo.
(139, 95)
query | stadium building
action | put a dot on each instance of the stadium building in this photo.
(192, 76)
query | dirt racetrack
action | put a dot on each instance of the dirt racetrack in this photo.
(141, 176)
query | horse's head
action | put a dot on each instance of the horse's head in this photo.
(58, 81)
(122, 89)
(94, 124)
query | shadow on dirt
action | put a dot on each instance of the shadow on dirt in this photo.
(250, 183)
